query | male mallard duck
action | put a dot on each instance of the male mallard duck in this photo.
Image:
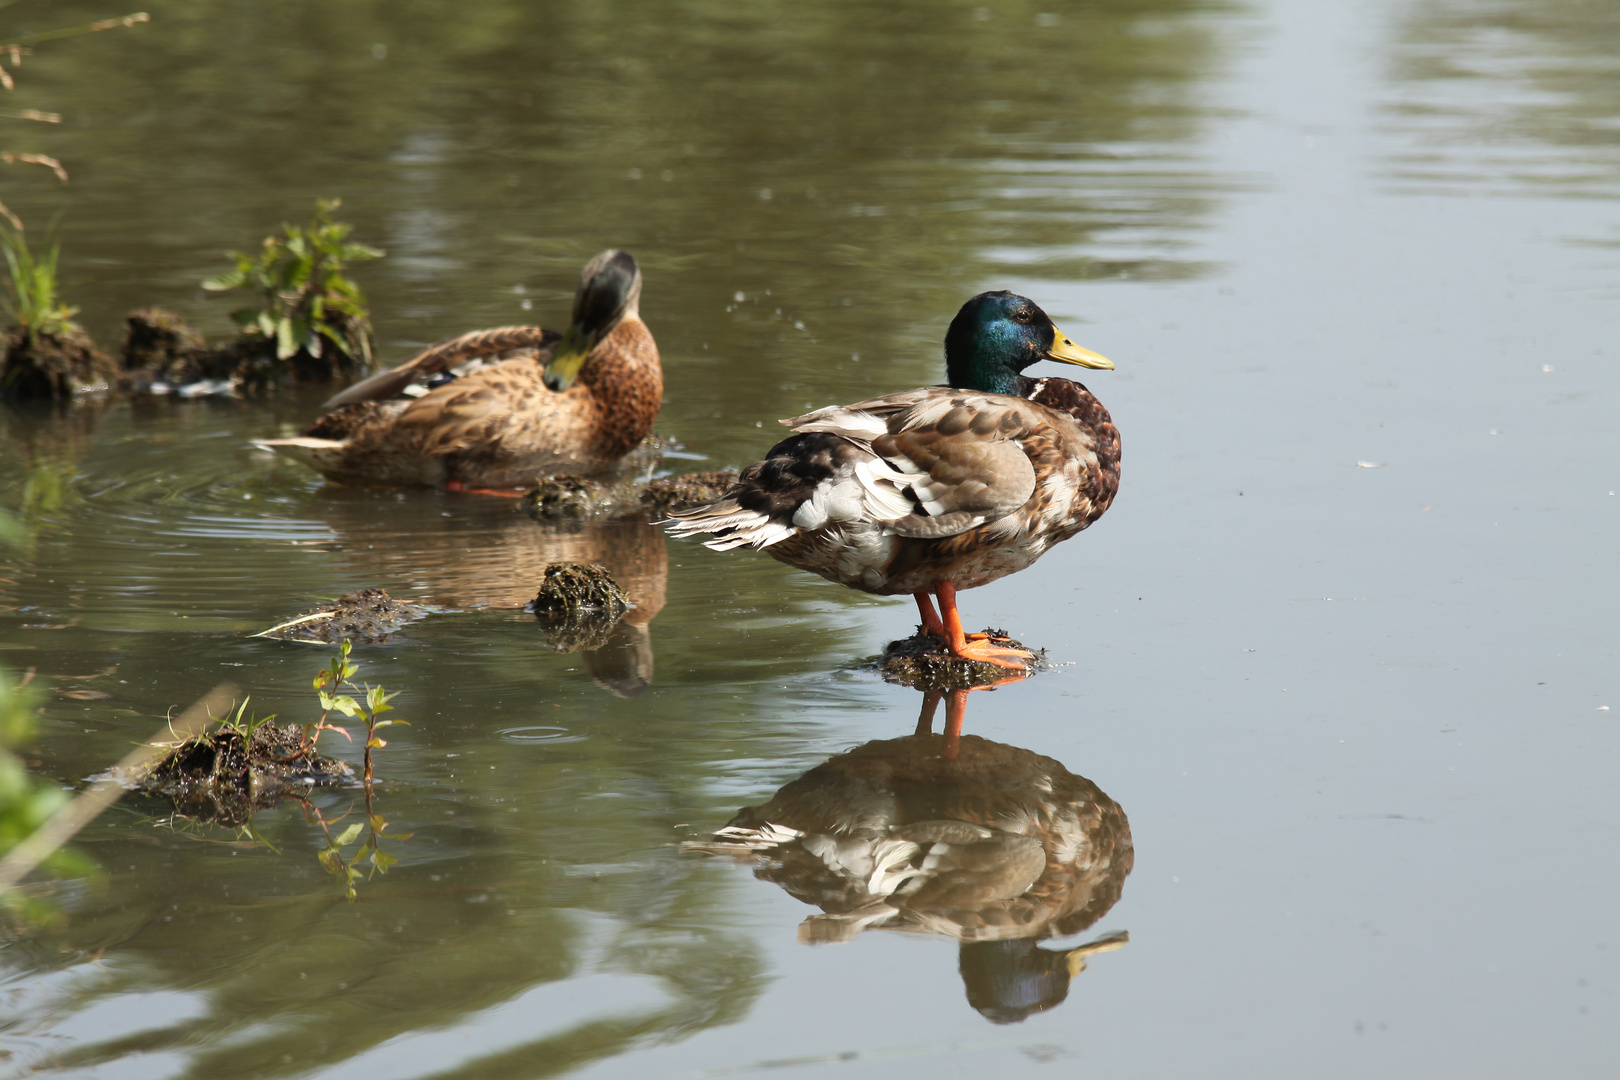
(937, 489)
(991, 844)
(496, 408)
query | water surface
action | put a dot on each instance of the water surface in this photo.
(1342, 652)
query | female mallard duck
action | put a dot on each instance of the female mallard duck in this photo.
(937, 489)
(496, 408)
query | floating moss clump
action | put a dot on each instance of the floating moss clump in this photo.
(53, 365)
(580, 498)
(578, 605)
(569, 498)
(163, 354)
(157, 339)
(309, 319)
(923, 663)
(367, 616)
(226, 774)
(690, 489)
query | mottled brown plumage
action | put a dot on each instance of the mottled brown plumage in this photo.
(495, 408)
(936, 489)
(950, 834)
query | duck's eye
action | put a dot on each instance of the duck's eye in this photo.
(1022, 315)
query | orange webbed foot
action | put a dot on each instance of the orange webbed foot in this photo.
(978, 647)
(461, 488)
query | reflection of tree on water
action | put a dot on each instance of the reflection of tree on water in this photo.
(949, 834)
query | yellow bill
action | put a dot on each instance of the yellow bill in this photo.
(1068, 352)
(567, 358)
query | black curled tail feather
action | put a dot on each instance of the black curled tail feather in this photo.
(759, 508)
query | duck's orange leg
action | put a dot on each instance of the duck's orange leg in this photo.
(979, 649)
(460, 487)
(931, 623)
(955, 710)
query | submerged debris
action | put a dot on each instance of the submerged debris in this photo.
(48, 365)
(579, 498)
(160, 345)
(922, 662)
(164, 355)
(689, 489)
(367, 616)
(579, 604)
(571, 498)
(226, 774)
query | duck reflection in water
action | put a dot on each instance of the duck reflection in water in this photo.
(488, 557)
(948, 834)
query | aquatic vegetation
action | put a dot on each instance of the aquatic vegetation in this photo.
(47, 354)
(371, 703)
(308, 310)
(244, 764)
(367, 703)
(34, 303)
(26, 803)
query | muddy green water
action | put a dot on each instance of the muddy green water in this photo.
(1343, 652)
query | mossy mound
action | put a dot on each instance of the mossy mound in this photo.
(578, 605)
(364, 617)
(689, 489)
(583, 498)
(163, 354)
(50, 366)
(225, 775)
(570, 498)
(922, 662)
(158, 344)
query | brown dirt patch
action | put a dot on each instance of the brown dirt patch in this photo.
(53, 366)
(364, 617)
(224, 775)
(578, 606)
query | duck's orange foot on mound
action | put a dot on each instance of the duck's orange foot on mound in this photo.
(979, 648)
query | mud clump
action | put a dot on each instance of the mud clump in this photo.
(922, 662)
(163, 354)
(160, 344)
(225, 775)
(365, 617)
(691, 489)
(51, 366)
(578, 606)
(581, 498)
(570, 498)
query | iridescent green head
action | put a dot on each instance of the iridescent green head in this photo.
(996, 335)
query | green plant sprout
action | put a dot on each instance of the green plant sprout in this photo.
(306, 303)
(25, 804)
(34, 302)
(242, 724)
(370, 704)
